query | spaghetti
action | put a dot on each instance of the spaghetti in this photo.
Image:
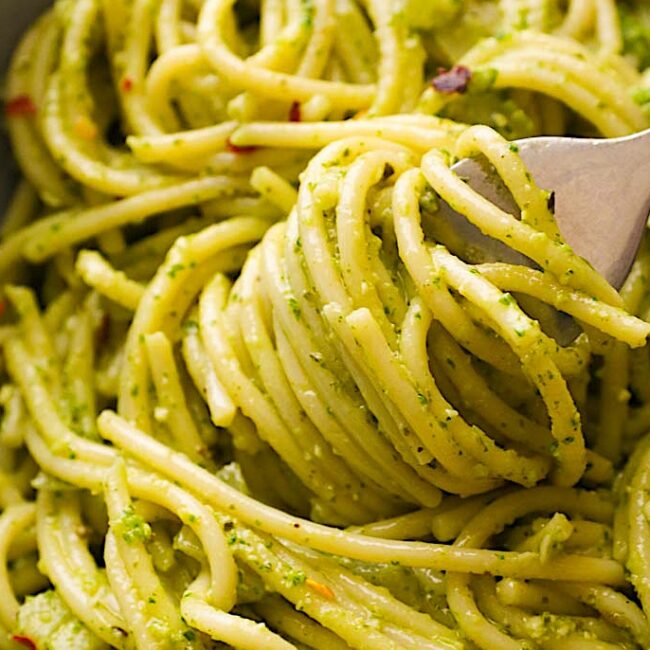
(254, 393)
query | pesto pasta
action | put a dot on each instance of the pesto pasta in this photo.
(255, 393)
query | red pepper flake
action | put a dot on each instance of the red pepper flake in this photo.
(127, 84)
(19, 106)
(452, 81)
(320, 589)
(294, 112)
(24, 640)
(3, 308)
(233, 148)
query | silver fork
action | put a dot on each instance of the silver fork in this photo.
(601, 192)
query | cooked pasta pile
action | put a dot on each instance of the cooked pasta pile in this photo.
(255, 391)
